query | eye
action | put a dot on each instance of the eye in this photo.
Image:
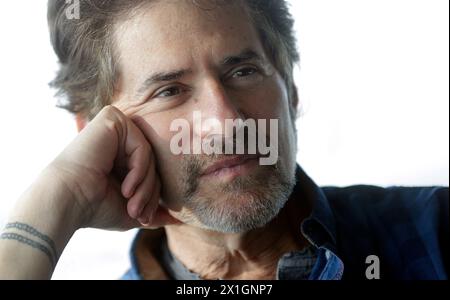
(169, 92)
(245, 72)
(244, 77)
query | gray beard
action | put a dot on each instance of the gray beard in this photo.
(245, 204)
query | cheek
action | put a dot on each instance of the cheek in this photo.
(270, 101)
(280, 105)
(156, 128)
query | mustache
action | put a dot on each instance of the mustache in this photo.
(194, 165)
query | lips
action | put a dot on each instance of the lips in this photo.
(228, 163)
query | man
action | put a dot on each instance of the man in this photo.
(129, 70)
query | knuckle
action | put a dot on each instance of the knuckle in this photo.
(112, 119)
(109, 110)
(112, 113)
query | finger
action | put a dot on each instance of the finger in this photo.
(150, 208)
(142, 195)
(139, 163)
(138, 152)
(162, 217)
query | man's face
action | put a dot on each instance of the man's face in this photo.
(176, 58)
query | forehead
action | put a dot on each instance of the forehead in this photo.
(172, 34)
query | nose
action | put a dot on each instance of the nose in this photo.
(216, 106)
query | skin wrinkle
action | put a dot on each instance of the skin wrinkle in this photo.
(239, 232)
(256, 251)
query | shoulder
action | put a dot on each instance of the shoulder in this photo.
(407, 227)
(391, 202)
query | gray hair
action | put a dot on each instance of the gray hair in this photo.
(85, 81)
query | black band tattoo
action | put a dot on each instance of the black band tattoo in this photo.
(31, 243)
(33, 231)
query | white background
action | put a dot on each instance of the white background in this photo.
(374, 83)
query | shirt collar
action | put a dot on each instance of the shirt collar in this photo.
(319, 228)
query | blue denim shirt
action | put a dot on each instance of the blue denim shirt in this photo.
(407, 228)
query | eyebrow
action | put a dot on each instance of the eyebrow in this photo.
(161, 77)
(244, 56)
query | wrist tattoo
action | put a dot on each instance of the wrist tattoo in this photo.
(48, 248)
(31, 243)
(33, 231)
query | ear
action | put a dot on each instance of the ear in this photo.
(81, 122)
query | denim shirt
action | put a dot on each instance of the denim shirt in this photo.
(406, 228)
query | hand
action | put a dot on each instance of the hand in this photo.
(110, 171)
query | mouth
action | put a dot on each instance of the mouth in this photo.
(232, 167)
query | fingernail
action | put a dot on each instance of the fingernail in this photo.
(143, 221)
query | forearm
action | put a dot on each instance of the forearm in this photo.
(80, 188)
(38, 230)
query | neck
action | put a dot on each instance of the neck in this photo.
(250, 255)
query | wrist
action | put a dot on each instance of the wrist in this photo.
(50, 206)
(38, 229)
(67, 196)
